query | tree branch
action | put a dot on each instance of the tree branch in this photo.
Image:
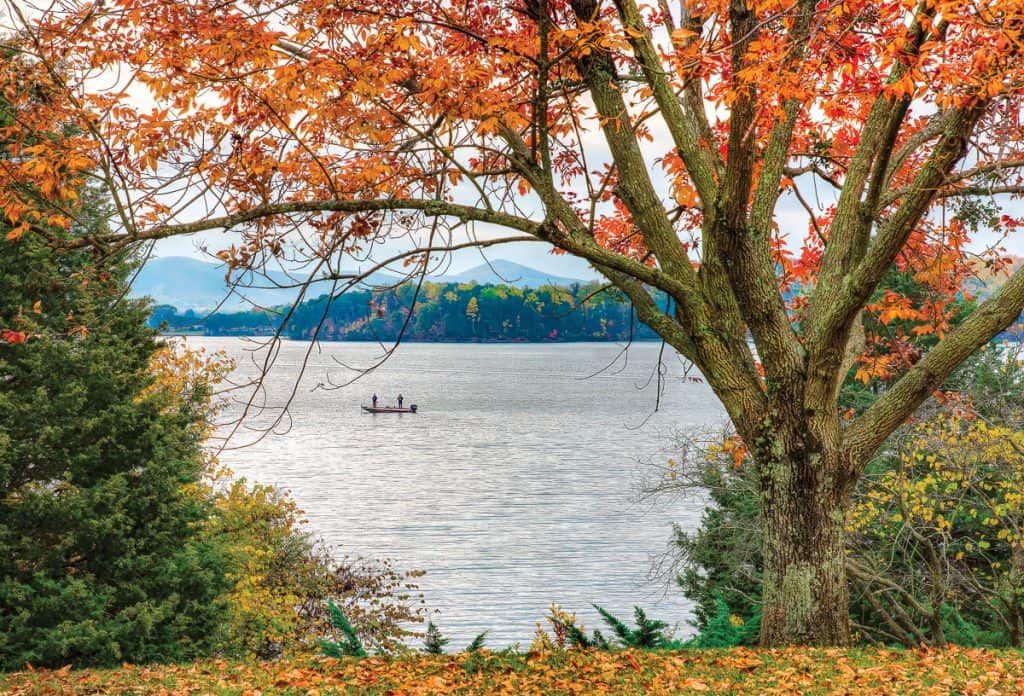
(635, 187)
(746, 239)
(841, 293)
(897, 404)
(734, 381)
(952, 191)
(934, 128)
(437, 208)
(700, 159)
(855, 214)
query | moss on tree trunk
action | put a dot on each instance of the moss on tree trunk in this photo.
(806, 597)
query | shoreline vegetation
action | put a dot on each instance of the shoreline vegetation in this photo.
(717, 671)
(441, 312)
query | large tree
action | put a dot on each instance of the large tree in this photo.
(667, 146)
(102, 557)
(101, 553)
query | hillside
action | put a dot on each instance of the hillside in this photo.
(443, 312)
(987, 281)
(187, 283)
(502, 272)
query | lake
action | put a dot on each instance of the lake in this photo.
(515, 486)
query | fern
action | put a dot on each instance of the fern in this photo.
(600, 642)
(478, 643)
(351, 646)
(959, 631)
(620, 629)
(721, 632)
(649, 633)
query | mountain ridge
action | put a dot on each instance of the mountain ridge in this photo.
(188, 283)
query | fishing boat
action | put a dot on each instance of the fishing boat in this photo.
(389, 409)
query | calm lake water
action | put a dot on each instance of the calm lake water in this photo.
(514, 486)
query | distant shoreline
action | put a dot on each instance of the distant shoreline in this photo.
(185, 334)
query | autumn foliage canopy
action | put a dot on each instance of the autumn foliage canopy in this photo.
(312, 128)
(275, 110)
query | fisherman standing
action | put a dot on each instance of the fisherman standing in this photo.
(399, 401)
(375, 400)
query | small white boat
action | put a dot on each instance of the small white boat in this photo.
(389, 409)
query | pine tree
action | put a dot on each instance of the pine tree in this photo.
(435, 642)
(349, 645)
(477, 643)
(101, 558)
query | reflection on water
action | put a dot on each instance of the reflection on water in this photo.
(513, 487)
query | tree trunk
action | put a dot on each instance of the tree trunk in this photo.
(806, 597)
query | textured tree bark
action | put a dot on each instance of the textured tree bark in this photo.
(806, 596)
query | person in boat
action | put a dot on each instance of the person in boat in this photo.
(374, 401)
(399, 401)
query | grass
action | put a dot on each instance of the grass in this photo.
(738, 671)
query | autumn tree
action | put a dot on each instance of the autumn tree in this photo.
(284, 579)
(661, 144)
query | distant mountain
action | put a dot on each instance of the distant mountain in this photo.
(188, 283)
(502, 272)
(987, 281)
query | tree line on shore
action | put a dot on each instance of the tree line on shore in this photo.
(442, 312)
(439, 312)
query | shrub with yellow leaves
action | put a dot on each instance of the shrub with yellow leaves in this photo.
(937, 538)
